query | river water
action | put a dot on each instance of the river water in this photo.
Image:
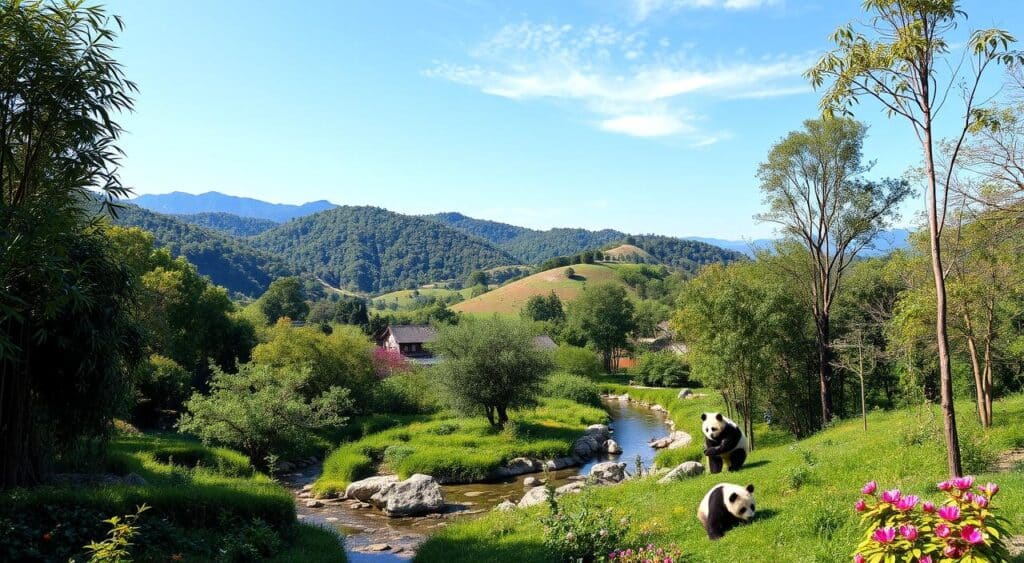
(633, 427)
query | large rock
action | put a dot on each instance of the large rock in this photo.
(417, 495)
(586, 446)
(680, 440)
(571, 488)
(599, 431)
(684, 393)
(677, 436)
(531, 482)
(562, 463)
(686, 469)
(533, 497)
(516, 467)
(612, 447)
(505, 506)
(365, 489)
(609, 472)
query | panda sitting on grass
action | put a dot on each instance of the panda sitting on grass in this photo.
(724, 442)
(725, 507)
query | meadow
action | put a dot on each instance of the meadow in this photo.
(510, 298)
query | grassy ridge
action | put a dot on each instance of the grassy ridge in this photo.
(510, 298)
(805, 492)
(445, 446)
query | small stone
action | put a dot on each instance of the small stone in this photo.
(571, 488)
(473, 493)
(378, 547)
(531, 482)
(505, 506)
(684, 393)
(307, 488)
(534, 496)
(314, 503)
(686, 469)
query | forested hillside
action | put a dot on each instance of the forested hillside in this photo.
(227, 261)
(231, 224)
(688, 255)
(371, 249)
(181, 203)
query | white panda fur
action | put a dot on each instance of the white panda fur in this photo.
(712, 426)
(718, 514)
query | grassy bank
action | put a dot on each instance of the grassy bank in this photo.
(447, 446)
(805, 491)
(206, 504)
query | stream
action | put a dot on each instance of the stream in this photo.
(368, 528)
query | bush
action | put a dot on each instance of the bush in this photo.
(582, 533)
(161, 385)
(577, 361)
(661, 369)
(408, 393)
(573, 388)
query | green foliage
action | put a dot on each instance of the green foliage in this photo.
(577, 361)
(263, 410)
(161, 385)
(572, 387)
(661, 369)
(413, 392)
(491, 365)
(230, 224)
(605, 315)
(285, 298)
(477, 278)
(115, 547)
(581, 533)
(545, 309)
(346, 311)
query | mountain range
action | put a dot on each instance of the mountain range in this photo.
(181, 203)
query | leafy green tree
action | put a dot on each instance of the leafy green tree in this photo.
(66, 341)
(604, 313)
(285, 297)
(570, 273)
(161, 386)
(896, 60)
(477, 278)
(647, 316)
(813, 185)
(491, 365)
(577, 361)
(343, 358)
(263, 411)
(346, 310)
(544, 308)
(661, 369)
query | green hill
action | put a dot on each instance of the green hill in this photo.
(234, 225)
(227, 261)
(510, 298)
(371, 250)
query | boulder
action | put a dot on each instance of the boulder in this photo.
(314, 503)
(531, 482)
(612, 447)
(134, 479)
(505, 506)
(680, 440)
(562, 463)
(378, 547)
(365, 489)
(307, 488)
(515, 467)
(667, 441)
(684, 393)
(686, 469)
(417, 495)
(599, 431)
(586, 446)
(533, 497)
(609, 472)
(571, 488)
(658, 408)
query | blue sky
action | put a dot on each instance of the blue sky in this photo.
(638, 115)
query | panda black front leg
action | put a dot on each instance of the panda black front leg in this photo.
(715, 464)
(736, 459)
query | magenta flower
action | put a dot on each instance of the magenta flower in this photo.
(928, 506)
(906, 503)
(908, 531)
(858, 558)
(943, 530)
(963, 483)
(884, 535)
(968, 497)
(981, 501)
(949, 513)
(952, 551)
(989, 489)
(945, 485)
(860, 505)
(925, 559)
(891, 495)
(972, 535)
(869, 488)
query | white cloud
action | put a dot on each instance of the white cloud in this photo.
(625, 84)
(642, 9)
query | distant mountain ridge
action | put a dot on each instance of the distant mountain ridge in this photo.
(181, 203)
(886, 242)
(235, 225)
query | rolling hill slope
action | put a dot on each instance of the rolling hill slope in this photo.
(509, 299)
(373, 250)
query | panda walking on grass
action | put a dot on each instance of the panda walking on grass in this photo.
(725, 507)
(724, 442)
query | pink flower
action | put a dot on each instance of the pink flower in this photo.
(891, 495)
(906, 503)
(908, 531)
(942, 530)
(989, 489)
(949, 513)
(952, 551)
(928, 506)
(925, 559)
(972, 535)
(858, 558)
(968, 497)
(884, 535)
(860, 506)
(869, 488)
(945, 485)
(981, 501)
(963, 483)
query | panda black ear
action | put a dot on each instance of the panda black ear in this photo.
(732, 497)
(718, 417)
(703, 416)
(750, 488)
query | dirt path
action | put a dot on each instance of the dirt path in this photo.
(1007, 461)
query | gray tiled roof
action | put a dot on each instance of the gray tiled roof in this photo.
(413, 334)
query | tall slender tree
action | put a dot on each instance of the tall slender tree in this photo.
(898, 59)
(814, 188)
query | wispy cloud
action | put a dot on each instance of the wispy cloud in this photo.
(623, 81)
(642, 9)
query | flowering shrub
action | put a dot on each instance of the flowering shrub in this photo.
(388, 362)
(961, 527)
(582, 534)
(649, 554)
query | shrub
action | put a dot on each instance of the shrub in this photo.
(649, 553)
(160, 385)
(963, 526)
(581, 533)
(115, 546)
(577, 361)
(573, 388)
(413, 392)
(661, 369)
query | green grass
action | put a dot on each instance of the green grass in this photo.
(447, 446)
(510, 298)
(405, 298)
(805, 491)
(193, 491)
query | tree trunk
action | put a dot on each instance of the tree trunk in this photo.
(979, 382)
(860, 374)
(606, 356)
(502, 415)
(954, 463)
(824, 366)
(490, 415)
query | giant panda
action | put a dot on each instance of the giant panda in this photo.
(723, 441)
(725, 507)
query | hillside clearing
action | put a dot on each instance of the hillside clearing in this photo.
(625, 250)
(509, 299)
